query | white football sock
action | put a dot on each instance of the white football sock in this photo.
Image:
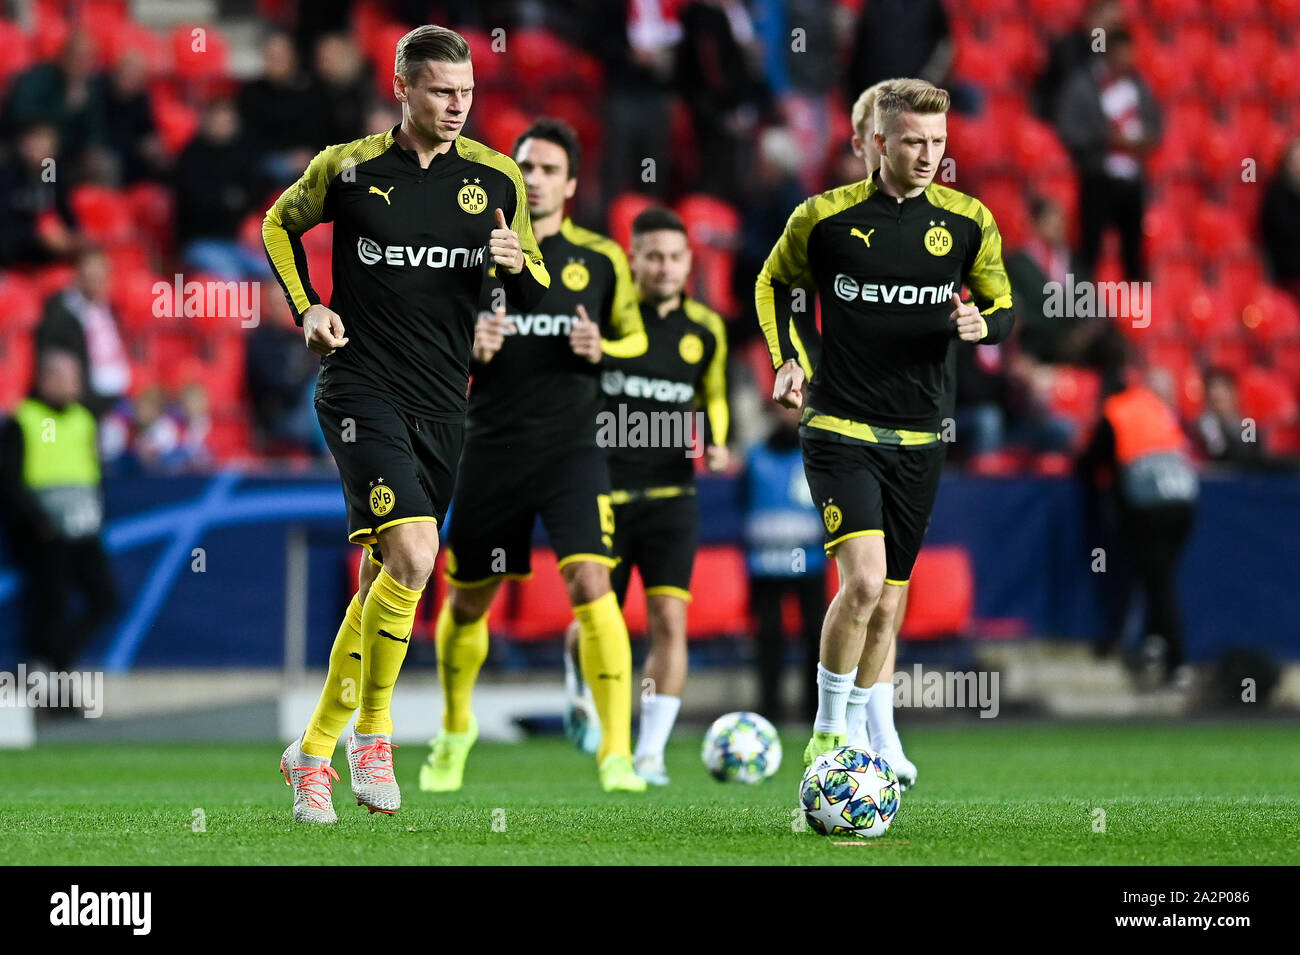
(855, 714)
(880, 717)
(832, 699)
(658, 713)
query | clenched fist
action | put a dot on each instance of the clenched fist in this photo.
(971, 326)
(490, 334)
(323, 330)
(585, 337)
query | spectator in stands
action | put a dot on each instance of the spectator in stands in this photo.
(1072, 53)
(50, 505)
(132, 138)
(635, 41)
(1045, 257)
(784, 556)
(280, 115)
(1221, 430)
(1110, 122)
(166, 436)
(66, 94)
(343, 91)
(281, 379)
(797, 76)
(776, 191)
(214, 187)
(900, 38)
(1137, 460)
(37, 225)
(1279, 222)
(983, 392)
(716, 77)
(80, 320)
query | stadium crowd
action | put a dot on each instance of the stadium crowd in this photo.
(1103, 135)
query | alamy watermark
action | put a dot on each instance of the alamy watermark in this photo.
(651, 429)
(1071, 299)
(41, 689)
(211, 299)
(950, 688)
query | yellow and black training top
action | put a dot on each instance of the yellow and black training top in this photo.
(410, 259)
(886, 270)
(562, 389)
(651, 398)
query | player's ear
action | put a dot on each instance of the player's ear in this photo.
(858, 148)
(571, 188)
(399, 87)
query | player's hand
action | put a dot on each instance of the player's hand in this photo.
(788, 389)
(503, 246)
(585, 337)
(323, 330)
(971, 326)
(490, 334)
(717, 457)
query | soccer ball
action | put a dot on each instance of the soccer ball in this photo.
(741, 747)
(849, 792)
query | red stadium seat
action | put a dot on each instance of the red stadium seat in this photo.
(1037, 149)
(721, 593)
(1234, 354)
(15, 367)
(133, 301)
(104, 214)
(1075, 392)
(1174, 11)
(1271, 316)
(1173, 356)
(1167, 75)
(622, 210)
(1234, 11)
(231, 437)
(713, 227)
(49, 34)
(1218, 231)
(542, 602)
(200, 54)
(18, 55)
(1284, 441)
(942, 596)
(1194, 40)
(1286, 359)
(20, 305)
(1267, 396)
(177, 121)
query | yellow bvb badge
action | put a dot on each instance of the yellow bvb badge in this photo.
(382, 499)
(691, 349)
(575, 276)
(832, 516)
(938, 240)
(471, 197)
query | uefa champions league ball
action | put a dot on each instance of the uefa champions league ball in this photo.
(849, 792)
(741, 747)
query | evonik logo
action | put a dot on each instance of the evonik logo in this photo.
(849, 289)
(615, 383)
(433, 256)
(543, 324)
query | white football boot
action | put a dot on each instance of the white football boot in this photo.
(652, 769)
(370, 758)
(310, 777)
(903, 767)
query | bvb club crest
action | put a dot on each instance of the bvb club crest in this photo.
(575, 276)
(832, 517)
(382, 499)
(938, 240)
(691, 349)
(472, 198)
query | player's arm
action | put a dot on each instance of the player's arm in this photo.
(986, 277)
(628, 338)
(784, 288)
(716, 408)
(514, 250)
(302, 206)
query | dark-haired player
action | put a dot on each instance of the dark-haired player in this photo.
(656, 517)
(530, 450)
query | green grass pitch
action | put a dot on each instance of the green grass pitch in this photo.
(1203, 794)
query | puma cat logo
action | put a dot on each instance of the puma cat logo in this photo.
(379, 192)
(405, 639)
(854, 231)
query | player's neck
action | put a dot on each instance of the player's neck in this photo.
(899, 190)
(425, 149)
(666, 306)
(548, 225)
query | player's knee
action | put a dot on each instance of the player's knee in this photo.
(586, 581)
(862, 588)
(410, 559)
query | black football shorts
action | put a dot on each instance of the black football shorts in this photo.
(395, 468)
(886, 490)
(499, 495)
(658, 536)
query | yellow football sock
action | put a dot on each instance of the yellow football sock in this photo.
(605, 656)
(386, 619)
(462, 648)
(343, 682)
